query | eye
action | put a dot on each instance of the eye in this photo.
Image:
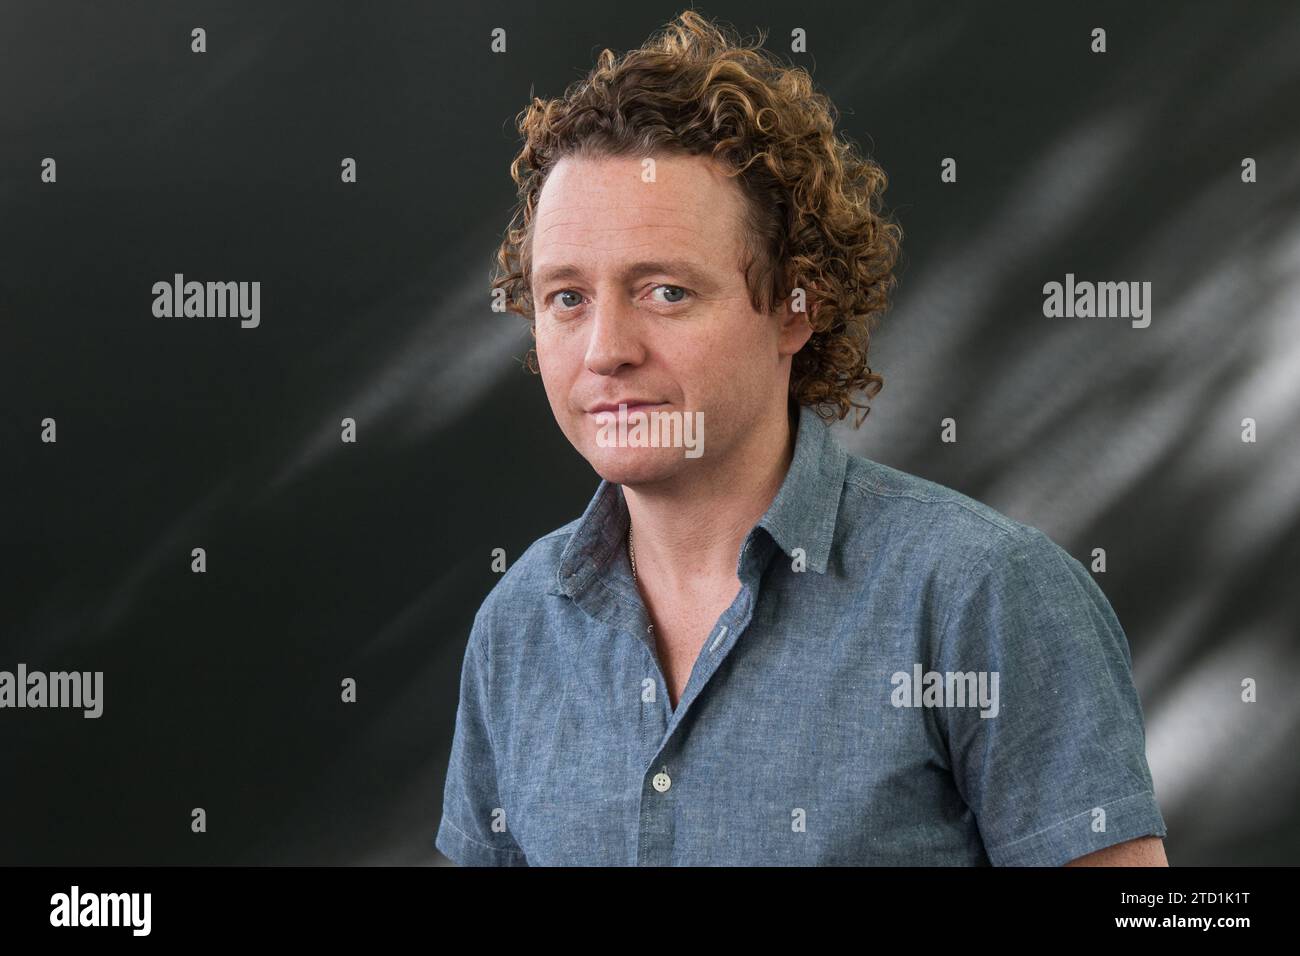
(566, 306)
(676, 294)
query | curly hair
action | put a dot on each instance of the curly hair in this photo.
(813, 201)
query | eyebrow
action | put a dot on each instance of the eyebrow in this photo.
(680, 267)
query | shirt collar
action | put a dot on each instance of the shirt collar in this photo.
(802, 515)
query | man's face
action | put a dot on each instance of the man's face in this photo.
(640, 298)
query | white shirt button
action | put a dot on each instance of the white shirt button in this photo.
(661, 781)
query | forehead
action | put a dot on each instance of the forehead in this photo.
(597, 212)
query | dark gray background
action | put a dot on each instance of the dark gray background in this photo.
(328, 560)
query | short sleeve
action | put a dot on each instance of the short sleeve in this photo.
(472, 831)
(1054, 767)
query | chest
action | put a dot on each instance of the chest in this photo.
(786, 756)
(683, 628)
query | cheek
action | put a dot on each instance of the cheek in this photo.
(729, 359)
(557, 364)
(545, 344)
(556, 339)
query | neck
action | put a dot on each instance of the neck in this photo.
(688, 532)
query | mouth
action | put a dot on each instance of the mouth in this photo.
(632, 408)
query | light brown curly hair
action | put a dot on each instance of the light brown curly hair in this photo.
(814, 202)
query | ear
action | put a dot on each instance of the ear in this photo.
(796, 329)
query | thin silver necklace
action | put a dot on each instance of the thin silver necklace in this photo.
(631, 553)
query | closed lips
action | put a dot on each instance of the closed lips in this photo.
(633, 403)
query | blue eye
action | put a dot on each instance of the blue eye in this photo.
(675, 289)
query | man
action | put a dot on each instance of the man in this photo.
(772, 652)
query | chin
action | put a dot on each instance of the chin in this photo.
(636, 466)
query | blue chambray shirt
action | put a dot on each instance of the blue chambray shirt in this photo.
(791, 744)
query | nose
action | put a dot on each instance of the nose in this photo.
(615, 338)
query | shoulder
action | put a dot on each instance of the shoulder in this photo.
(525, 585)
(959, 548)
(931, 518)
